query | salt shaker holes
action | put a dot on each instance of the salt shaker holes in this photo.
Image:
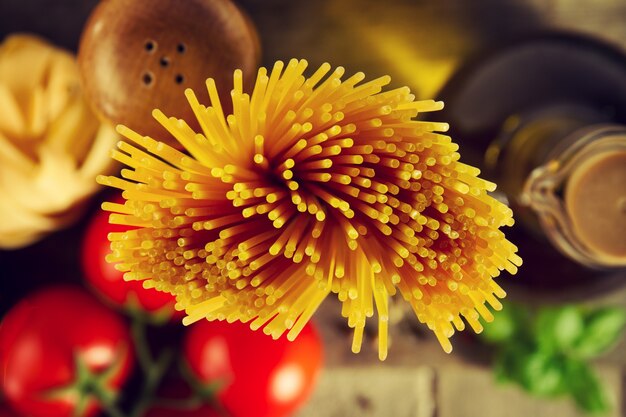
(147, 79)
(150, 46)
(181, 48)
(179, 79)
(164, 61)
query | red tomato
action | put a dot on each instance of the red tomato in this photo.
(45, 337)
(108, 281)
(261, 377)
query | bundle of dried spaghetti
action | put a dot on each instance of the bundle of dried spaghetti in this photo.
(313, 185)
(51, 145)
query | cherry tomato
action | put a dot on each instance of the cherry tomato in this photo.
(58, 347)
(259, 376)
(109, 282)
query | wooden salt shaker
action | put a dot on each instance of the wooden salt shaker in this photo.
(136, 56)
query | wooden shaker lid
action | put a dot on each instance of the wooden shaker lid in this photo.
(136, 56)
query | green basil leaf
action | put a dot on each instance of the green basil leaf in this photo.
(507, 325)
(536, 372)
(602, 330)
(559, 328)
(508, 364)
(543, 374)
(586, 389)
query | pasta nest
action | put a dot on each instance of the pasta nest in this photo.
(51, 144)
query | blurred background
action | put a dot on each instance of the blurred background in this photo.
(430, 46)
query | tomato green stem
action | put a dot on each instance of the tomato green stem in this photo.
(90, 385)
(140, 339)
(153, 370)
(153, 378)
(108, 403)
(206, 393)
(134, 309)
(190, 403)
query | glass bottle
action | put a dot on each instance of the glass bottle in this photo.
(566, 180)
(545, 119)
